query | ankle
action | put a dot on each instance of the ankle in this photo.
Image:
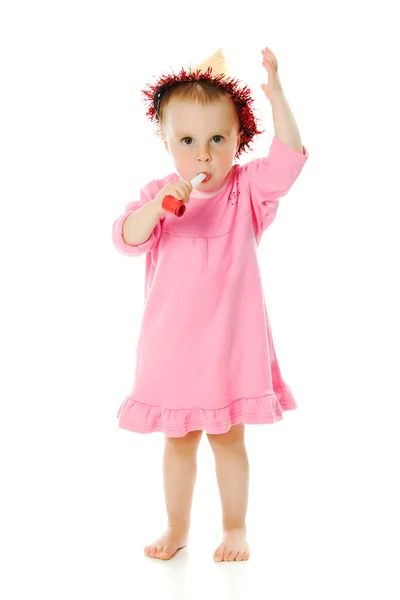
(231, 525)
(179, 525)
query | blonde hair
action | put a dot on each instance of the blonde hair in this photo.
(202, 92)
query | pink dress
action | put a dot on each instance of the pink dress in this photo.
(205, 357)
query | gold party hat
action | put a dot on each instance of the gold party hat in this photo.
(216, 61)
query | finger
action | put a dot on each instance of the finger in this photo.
(184, 193)
(267, 53)
(188, 186)
(184, 190)
(267, 64)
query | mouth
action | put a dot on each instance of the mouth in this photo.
(207, 178)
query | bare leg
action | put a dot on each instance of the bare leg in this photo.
(179, 470)
(232, 469)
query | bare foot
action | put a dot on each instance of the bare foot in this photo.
(167, 545)
(234, 547)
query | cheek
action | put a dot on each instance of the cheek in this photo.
(227, 156)
(183, 157)
(183, 161)
(178, 152)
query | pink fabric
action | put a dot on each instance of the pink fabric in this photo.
(205, 357)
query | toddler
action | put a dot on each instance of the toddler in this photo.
(205, 355)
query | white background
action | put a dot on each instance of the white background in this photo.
(82, 497)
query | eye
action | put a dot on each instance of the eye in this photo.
(218, 137)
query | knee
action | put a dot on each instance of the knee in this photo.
(185, 443)
(232, 439)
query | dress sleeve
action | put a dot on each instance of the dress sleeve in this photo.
(145, 196)
(270, 178)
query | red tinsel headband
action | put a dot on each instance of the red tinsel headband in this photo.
(241, 97)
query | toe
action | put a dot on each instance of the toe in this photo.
(227, 553)
(153, 550)
(218, 554)
(147, 550)
(166, 553)
(240, 556)
(217, 558)
(233, 555)
(246, 555)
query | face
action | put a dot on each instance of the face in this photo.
(201, 139)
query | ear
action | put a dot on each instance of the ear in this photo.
(164, 139)
(239, 139)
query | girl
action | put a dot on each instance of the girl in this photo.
(205, 355)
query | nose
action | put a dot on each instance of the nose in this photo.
(203, 155)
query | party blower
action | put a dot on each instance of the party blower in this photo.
(177, 207)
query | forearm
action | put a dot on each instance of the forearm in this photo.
(285, 126)
(138, 227)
